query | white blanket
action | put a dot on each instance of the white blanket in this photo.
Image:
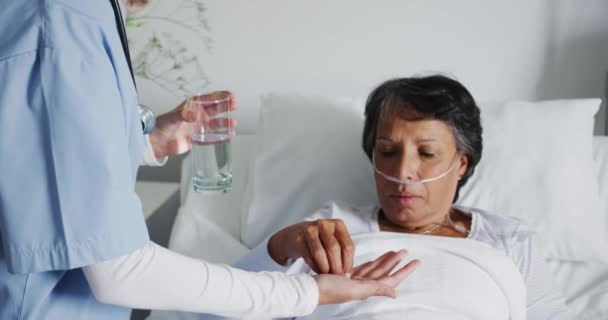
(458, 279)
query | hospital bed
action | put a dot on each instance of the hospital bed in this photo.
(215, 227)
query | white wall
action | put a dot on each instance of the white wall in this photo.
(526, 49)
(577, 59)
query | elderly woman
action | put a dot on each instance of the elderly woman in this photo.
(423, 137)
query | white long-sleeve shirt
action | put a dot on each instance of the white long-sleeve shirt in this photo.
(544, 298)
(149, 159)
(156, 278)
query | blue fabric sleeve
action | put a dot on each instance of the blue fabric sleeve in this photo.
(71, 143)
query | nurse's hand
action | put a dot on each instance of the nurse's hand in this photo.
(324, 244)
(172, 133)
(370, 279)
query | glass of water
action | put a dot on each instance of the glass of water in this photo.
(211, 134)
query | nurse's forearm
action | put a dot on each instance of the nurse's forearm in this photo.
(156, 278)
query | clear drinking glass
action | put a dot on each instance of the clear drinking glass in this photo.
(211, 153)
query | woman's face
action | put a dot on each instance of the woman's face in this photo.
(416, 149)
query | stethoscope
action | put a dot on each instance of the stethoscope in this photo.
(148, 120)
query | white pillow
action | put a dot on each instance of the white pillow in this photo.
(600, 156)
(537, 165)
(307, 153)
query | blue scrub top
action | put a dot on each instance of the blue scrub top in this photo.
(70, 145)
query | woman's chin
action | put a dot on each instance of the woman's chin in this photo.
(402, 215)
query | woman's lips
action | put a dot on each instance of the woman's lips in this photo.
(404, 199)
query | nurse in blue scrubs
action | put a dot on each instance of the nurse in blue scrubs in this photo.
(74, 244)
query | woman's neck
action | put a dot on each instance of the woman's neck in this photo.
(442, 227)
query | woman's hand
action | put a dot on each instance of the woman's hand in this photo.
(172, 134)
(369, 279)
(325, 245)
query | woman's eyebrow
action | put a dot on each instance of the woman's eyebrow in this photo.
(419, 140)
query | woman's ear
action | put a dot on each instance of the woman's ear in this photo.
(464, 164)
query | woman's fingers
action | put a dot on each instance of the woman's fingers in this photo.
(332, 247)
(396, 278)
(347, 246)
(310, 261)
(357, 271)
(362, 270)
(386, 266)
(325, 245)
(337, 289)
(316, 249)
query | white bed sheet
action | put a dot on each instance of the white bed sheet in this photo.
(585, 286)
(209, 227)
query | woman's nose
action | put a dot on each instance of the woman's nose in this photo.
(407, 167)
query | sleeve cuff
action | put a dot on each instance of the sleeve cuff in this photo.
(149, 158)
(311, 291)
